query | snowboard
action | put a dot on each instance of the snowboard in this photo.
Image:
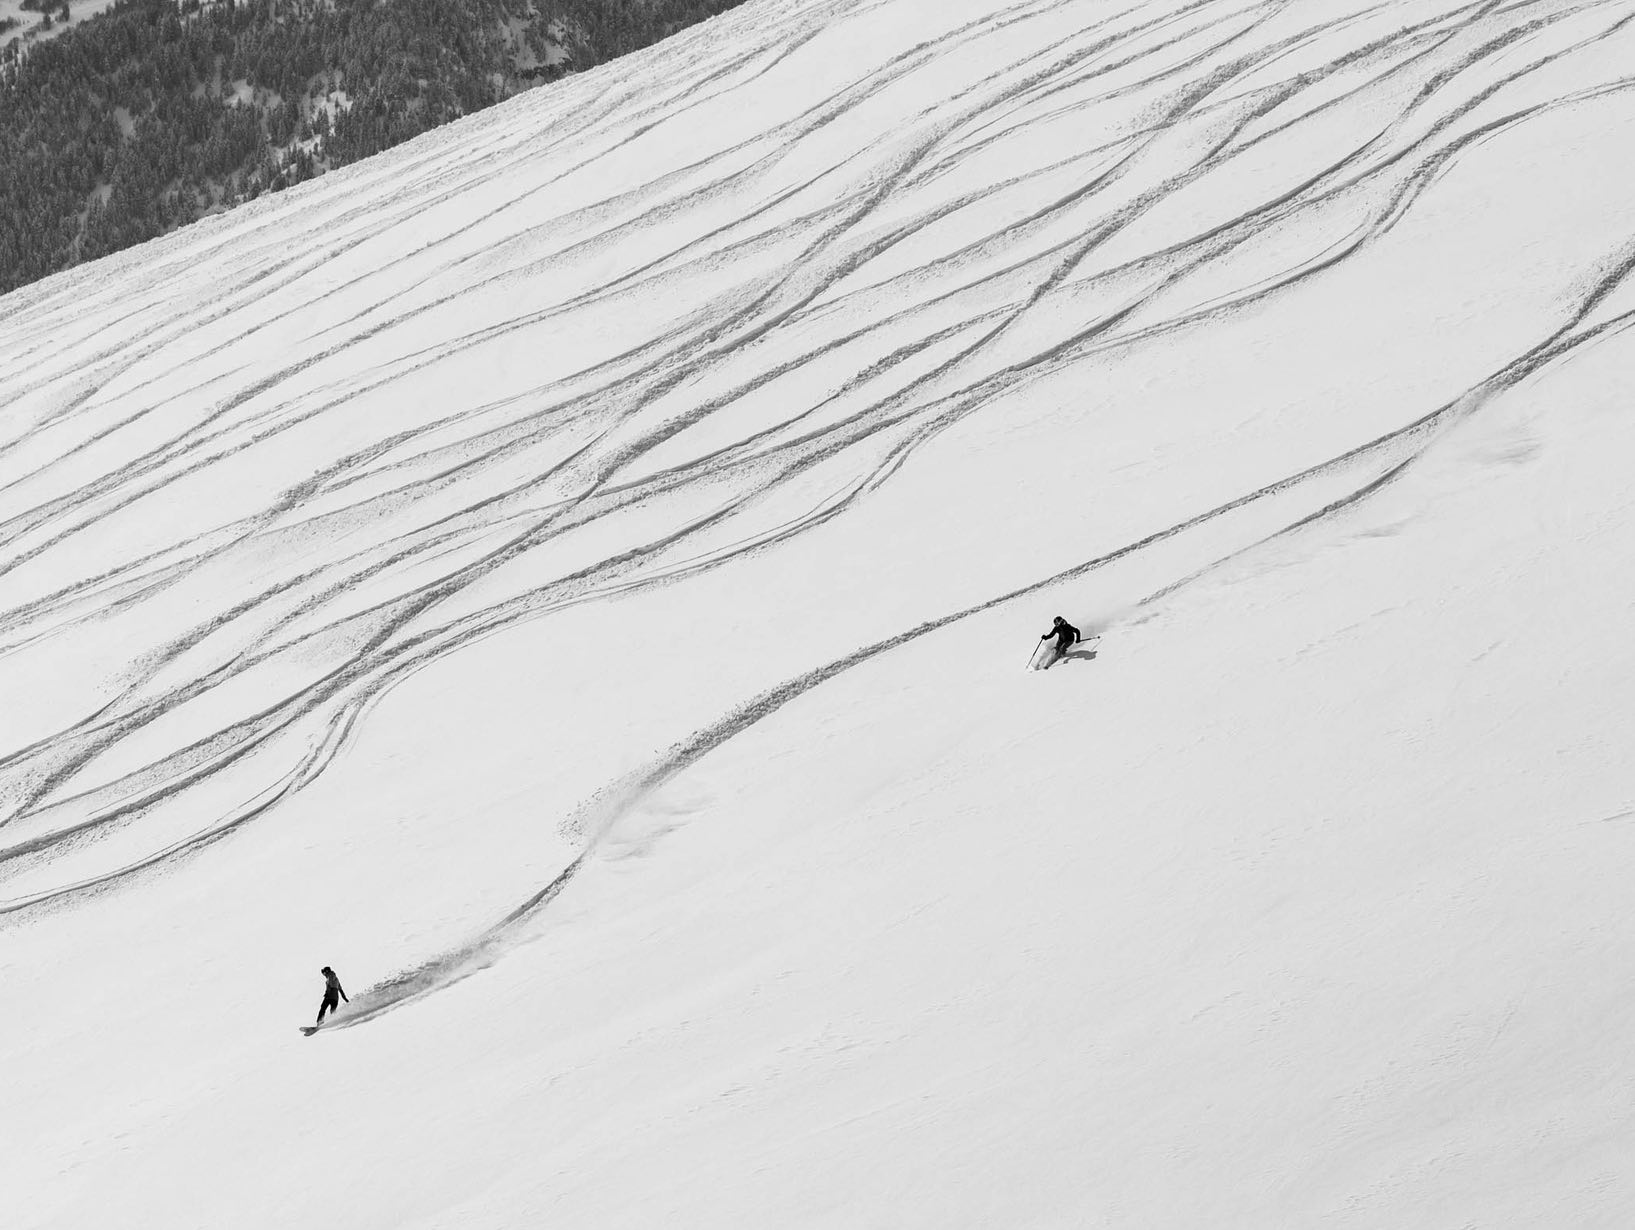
(309, 1030)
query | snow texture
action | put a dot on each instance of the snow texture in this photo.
(573, 575)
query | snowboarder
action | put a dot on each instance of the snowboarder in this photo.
(1065, 633)
(332, 994)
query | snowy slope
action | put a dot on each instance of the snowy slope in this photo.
(573, 573)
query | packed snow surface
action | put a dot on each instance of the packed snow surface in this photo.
(574, 573)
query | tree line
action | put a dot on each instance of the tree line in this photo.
(156, 112)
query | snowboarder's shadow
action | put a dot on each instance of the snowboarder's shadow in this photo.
(1077, 655)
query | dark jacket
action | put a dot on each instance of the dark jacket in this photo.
(1065, 633)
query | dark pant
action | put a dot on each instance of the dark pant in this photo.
(1054, 653)
(332, 1003)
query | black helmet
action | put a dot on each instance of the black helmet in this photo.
(1058, 620)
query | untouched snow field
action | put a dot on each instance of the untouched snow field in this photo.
(574, 574)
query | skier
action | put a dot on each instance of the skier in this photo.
(1065, 633)
(332, 990)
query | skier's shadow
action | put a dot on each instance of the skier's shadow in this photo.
(1078, 655)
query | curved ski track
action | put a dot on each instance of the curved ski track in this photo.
(420, 532)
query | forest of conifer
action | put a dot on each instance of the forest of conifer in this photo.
(153, 113)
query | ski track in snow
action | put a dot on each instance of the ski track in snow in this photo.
(212, 351)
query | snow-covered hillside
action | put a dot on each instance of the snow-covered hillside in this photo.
(573, 575)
